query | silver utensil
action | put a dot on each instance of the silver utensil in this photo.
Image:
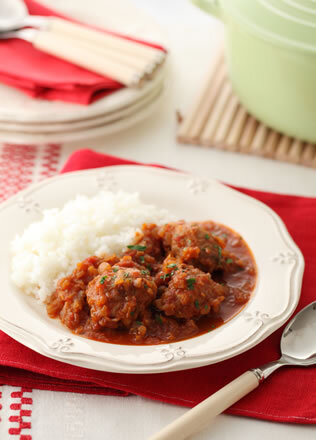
(14, 15)
(298, 347)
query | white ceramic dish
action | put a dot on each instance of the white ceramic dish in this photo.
(280, 269)
(106, 118)
(17, 107)
(117, 123)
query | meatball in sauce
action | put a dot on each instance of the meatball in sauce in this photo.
(174, 282)
(190, 293)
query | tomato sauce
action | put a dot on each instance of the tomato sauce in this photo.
(173, 283)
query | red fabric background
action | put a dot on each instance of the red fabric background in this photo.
(40, 75)
(289, 395)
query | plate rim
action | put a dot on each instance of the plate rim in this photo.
(107, 129)
(13, 126)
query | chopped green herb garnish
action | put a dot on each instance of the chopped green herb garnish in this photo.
(173, 265)
(190, 283)
(206, 307)
(139, 322)
(136, 247)
(126, 275)
(219, 252)
(207, 236)
(219, 249)
(144, 272)
(223, 235)
(239, 268)
(212, 327)
(103, 279)
(229, 261)
(189, 242)
(115, 269)
(132, 313)
(142, 259)
(197, 304)
(164, 276)
(149, 267)
(158, 318)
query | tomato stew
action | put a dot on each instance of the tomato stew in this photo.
(175, 282)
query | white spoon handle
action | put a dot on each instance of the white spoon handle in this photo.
(197, 418)
(63, 47)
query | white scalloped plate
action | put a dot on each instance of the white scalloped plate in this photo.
(280, 270)
(106, 118)
(117, 123)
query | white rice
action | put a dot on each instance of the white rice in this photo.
(50, 248)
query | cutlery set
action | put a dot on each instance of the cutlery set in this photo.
(129, 62)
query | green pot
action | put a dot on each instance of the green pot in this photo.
(271, 57)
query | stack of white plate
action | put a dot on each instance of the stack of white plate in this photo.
(27, 120)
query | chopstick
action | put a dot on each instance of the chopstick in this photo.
(143, 68)
(81, 55)
(145, 60)
(128, 62)
(105, 39)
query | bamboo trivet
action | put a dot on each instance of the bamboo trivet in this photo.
(218, 120)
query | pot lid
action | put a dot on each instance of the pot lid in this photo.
(290, 22)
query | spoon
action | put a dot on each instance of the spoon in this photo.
(298, 347)
(14, 15)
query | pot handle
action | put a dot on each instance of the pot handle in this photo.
(209, 6)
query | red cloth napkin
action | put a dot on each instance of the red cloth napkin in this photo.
(40, 75)
(289, 395)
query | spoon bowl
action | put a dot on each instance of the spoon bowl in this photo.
(298, 342)
(14, 15)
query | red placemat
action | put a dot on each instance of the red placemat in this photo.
(289, 395)
(40, 75)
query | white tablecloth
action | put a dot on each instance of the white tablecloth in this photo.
(37, 415)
